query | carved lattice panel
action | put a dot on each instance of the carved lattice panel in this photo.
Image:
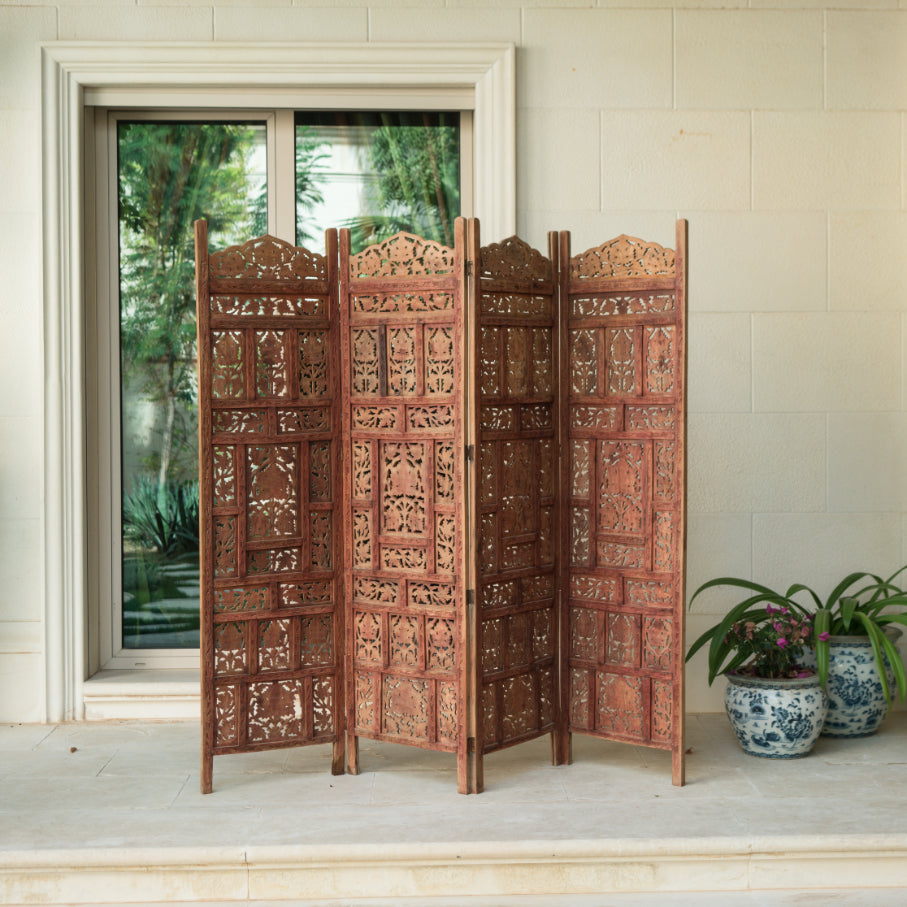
(269, 411)
(402, 322)
(622, 317)
(516, 466)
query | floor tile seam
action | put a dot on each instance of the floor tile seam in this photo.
(104, 766)
(876, 764)
(108, 778)
(67, 811)
(179, 793)
(754, 788)
(51, 729)
(659, 799)
(370, 801)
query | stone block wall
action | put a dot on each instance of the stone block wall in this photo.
(778, 132)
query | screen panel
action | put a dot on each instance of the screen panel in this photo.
(269, 414)
(622, 471)
(515, 410)
(402, 328)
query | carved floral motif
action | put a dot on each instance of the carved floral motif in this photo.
(624, 256)
(515, 259)
(276, 710)
(267, 258)
(620, 705)
(270, 364)
(402, 254)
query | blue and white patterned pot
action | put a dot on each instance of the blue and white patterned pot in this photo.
(775, 719)
(856, 702)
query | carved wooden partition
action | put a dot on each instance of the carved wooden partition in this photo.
(516, 477)
(402, 321)
(622, 511)
(269, 420)
(442, 495)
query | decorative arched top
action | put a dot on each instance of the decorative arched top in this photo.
(514, 258)
(402, 254)
(267, 258)
(624, 256)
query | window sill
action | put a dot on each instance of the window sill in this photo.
(151, 694)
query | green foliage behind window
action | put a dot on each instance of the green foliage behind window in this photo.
(170, 174)
(378, 174)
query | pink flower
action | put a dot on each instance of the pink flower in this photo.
(823, 637)
(782, 642)
(770, 610)
(785, 610)
(777, 626)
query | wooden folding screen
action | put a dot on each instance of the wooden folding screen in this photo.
(622, 510)
(507, 535)
(269, 420)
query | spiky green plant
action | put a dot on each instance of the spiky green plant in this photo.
(164, 519)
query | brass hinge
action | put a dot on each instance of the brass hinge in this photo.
(470, 267)
(470, 597)
(470, 452)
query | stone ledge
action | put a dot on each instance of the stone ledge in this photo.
(472, 869)
(151, 694)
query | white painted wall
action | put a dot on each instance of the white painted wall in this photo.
(778, 132)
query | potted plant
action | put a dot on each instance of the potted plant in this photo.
(856, 652)
(775, 703)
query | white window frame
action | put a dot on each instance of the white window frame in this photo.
(477, 77)
(103, 378)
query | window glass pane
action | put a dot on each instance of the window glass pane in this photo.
(169, 174)
(377, 173)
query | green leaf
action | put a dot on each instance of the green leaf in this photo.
(848, 607)
(700, 642)
(897, 666)
(822, 624)
(899, 600)
(846, 583)
(878, 641)
(734, 582)
(799, 587)
(885, 619)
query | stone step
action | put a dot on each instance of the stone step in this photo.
(111, 813)
(791, 870)
(801, 897)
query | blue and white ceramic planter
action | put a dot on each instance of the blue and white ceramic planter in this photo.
(775, 719)
(856, 701)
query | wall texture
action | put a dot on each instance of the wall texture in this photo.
(776, 128)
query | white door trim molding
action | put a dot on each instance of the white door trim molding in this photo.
(456, 76)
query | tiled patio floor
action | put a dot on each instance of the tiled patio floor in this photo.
(90, 803)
